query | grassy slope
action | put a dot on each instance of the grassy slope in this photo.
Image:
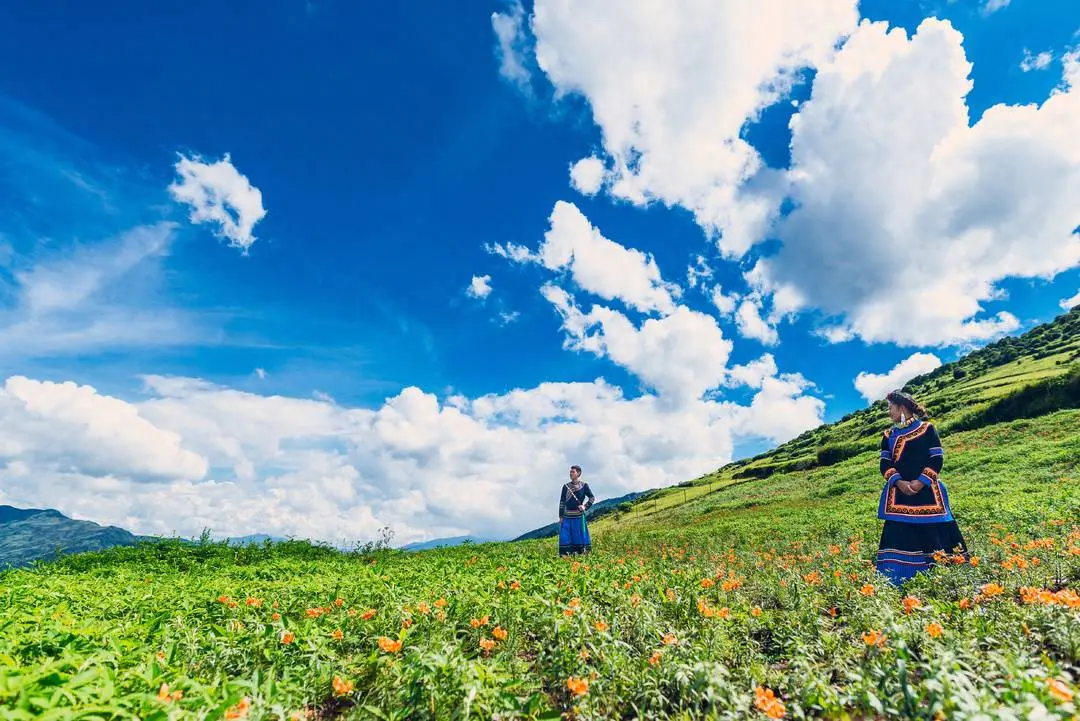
(85, 633)
(1048, 351)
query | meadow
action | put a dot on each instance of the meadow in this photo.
(751, 600)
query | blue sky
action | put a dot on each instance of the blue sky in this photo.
(391, 154)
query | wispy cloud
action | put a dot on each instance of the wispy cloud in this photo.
(92, 298)
(992, 6)
(1036, 62)
(512, 46)
(83, 250)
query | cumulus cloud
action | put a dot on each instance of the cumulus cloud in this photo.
(479, 287)
(753, 374)
(672, 91)
(598, 265)
(780, 410)
(587, 175)
(725, 303)
(194, 455)
(220, 195)
(1070, 303)
(751, 325)
(51, 426)
(874, 387)
(681, 355)
(912, 255)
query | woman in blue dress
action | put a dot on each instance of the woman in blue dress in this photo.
(574, 499)
(914, 502)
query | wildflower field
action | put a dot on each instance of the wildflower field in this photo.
(757, 600)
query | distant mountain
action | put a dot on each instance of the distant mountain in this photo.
(31, 534)
(11, 513)
(602, 508)
(255, 538)
(445, 542)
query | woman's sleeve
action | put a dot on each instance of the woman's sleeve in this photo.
(937, 456)
(562, 502)
(888, 470)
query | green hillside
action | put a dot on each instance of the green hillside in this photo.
(747, 594)
(1016, 377)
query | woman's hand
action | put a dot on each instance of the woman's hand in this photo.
(905, 488)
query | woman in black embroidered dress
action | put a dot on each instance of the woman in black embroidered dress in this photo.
(574, 499)
(914, 502)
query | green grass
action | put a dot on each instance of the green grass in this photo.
(644, 627)
(987, 377)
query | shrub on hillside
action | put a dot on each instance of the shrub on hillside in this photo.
(834, 453)
(756, 472)
(1038, 399)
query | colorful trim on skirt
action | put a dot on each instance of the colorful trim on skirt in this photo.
(907, 549)
(574, 535)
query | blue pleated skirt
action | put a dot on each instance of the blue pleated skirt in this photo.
(574, 535)
(907, 549)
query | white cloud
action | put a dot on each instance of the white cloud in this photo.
(513, 44)
(725, 304)
(93, 297)
(753, 374)
(479, 287)
(751, 325)
(681, 355)
(1036, 62)
(780, 410)
(220, 195)
(261, 373)
(308, 468)
(587, 175)
(912, 255)
(874, 387)
(508, 317)
(512, 252)
(51, 426)
(598, 265)
(672, 91)
(992, 6)
(699, 272)
(1070, 303)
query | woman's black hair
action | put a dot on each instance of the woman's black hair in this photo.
(904, 400)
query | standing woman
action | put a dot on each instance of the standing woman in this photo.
(574, 500)
(914, 503)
